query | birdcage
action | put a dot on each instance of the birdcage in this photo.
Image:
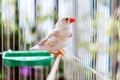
(23, 23)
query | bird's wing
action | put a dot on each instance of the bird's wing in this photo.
(50, 40)
(70, 35)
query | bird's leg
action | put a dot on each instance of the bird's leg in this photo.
(61, 52)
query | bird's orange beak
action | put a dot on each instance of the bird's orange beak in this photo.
(72, 20)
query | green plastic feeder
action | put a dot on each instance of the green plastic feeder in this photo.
(27, 58)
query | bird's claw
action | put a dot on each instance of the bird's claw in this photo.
(60, 52)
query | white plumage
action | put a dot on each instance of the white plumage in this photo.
(58, 38)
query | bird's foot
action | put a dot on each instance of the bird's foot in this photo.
(59, 52)
(53, 52)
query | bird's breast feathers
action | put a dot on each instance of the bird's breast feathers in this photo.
(56, 40)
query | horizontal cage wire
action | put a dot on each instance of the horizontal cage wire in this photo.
(92, 53)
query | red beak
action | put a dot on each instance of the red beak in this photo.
(72, 20)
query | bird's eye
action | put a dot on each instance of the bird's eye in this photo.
(66, 19)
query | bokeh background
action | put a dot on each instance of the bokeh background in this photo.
(92, 54)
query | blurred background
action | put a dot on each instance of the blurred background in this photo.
(92, 54)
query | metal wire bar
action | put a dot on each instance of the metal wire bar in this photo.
(74, 75)
(2, 42)
(19, 32)
(89, 68)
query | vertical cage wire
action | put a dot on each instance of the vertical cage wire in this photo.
(76, 70)
(13, 44)
(2, 41)
(94, 75)
(21, 46)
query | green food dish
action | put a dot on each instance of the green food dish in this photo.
(27, 58)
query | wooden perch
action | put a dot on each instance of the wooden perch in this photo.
(54, 69)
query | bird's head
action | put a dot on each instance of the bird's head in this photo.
(65, 21)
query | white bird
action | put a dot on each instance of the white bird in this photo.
(58, 38)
